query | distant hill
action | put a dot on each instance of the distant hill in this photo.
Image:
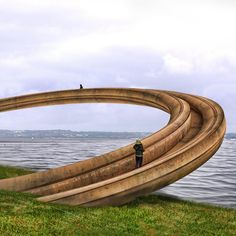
(77, 134)
(68, 134)
(230, 136)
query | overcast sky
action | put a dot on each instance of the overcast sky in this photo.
(184, 45)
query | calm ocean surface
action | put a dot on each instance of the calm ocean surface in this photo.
(214, 182)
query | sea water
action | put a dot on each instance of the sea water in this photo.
(214, 182)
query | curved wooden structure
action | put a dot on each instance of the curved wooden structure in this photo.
(193, 134)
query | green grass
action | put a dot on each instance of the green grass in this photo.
(21, 214)
(7, 172)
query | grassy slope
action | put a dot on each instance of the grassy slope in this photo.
(7, 172)
(21, 214)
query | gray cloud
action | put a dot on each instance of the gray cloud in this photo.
(116, 68)
(52, 48)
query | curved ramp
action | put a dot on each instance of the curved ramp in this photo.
(193, 134)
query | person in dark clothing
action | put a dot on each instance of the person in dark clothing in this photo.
(81, 86)
(138, 147)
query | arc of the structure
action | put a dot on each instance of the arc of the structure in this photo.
(193, 134)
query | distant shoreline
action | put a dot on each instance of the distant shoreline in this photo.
(67, 134)
(58, 133)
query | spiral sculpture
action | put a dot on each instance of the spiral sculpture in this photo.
(193, 134)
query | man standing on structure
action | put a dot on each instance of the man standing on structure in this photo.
(138, 147)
